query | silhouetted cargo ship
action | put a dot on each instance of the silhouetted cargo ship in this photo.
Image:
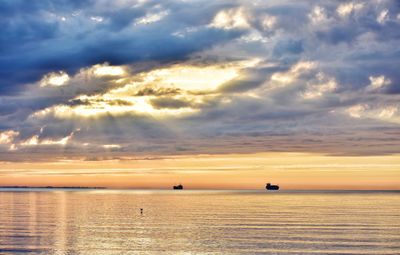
(178, 186)
(271, 187)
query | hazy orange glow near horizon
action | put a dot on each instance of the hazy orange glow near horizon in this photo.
(230, 171)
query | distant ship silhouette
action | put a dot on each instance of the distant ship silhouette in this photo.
(271, 187)
(178, 186)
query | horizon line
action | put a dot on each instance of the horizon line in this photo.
(186, 189)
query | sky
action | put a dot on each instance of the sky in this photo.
(213, 94)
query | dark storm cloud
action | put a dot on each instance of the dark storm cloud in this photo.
(151, 91)
(166, 102)
(42, 36)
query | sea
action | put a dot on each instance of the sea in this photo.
(73, 221)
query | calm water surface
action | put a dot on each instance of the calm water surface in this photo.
(198, 222)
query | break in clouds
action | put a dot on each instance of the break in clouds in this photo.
(108, 79)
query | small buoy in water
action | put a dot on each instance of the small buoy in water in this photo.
(141, 210)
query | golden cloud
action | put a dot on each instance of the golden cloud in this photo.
(175, 90)
(55, 79)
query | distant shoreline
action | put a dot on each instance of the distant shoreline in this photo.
(49, 187)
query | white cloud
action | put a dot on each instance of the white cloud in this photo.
(185, 32)
(383, 17)
(34, 141)
(107, 70)
(111, 146)
(236, 18)
(377, 83)
(382, 112)
(7, 137)
(151, 18)
(356, 111)
(268, 22)
(318, 15)
(388, 112)
(282, 79)
(254, 36)
(97, 19)
(55, 79)
(322, 86)
(346, 9)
